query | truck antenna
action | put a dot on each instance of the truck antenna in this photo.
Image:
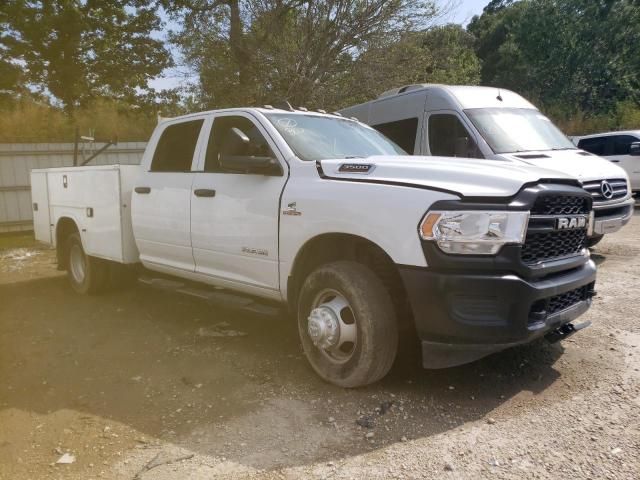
(499, 97)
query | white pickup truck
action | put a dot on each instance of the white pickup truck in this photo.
(263, 207)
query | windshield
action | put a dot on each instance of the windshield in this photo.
(313, 137)
(511, 130)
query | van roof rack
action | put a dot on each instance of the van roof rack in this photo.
(399, 90)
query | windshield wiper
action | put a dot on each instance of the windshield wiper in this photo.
(555, 149)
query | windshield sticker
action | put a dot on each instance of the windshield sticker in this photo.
(290, 126)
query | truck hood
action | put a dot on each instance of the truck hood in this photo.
(577, 163)
(465, 177)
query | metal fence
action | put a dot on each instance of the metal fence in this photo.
(18, 159)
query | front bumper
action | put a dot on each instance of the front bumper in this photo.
(611, 218)
(461, 317)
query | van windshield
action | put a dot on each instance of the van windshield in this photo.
(314, 137)
(511, 130)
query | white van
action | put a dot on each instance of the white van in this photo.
(621, 147)
(493, 123)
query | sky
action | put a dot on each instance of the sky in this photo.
(467, 9)
(462, 13)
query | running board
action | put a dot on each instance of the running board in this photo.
(213, 295)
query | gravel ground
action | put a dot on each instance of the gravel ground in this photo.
(139, 384)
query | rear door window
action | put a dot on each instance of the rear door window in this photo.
(448, 137)
(622, 144)
(402, 132)
(596, 145)
(175, 149)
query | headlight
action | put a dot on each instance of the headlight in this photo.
(474, 232)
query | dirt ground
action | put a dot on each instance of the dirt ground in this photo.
(141, 384)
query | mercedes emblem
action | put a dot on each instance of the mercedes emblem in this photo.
(606, 189)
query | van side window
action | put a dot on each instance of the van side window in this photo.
(596, 145)
(175, 149)
(622, 144)
(402, 132)
(223, 142)
(448, 137)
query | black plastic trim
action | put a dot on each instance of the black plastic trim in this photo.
(466, 315)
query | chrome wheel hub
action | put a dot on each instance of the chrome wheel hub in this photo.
(77, 263)
(331, 326)
(323, 327)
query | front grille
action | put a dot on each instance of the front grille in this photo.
(540, 246)
(561, 205)
(618, 186)
(543, 242)
(558, 303)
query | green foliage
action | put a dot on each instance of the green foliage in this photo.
(262, 51)
(81, 50)
(439, 55)
(569, 55)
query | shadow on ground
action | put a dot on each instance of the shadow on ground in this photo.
(148, 359)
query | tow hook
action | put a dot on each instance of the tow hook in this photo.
(565, 331)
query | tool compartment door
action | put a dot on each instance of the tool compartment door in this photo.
(40, 207)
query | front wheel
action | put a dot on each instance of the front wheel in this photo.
(347, 324)
(86, 274)
(593, 241)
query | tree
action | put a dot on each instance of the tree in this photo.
(10, 78)
(259, 51)
(441, 54)
(79, 50)
(578, 54)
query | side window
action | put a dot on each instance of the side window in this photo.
(175, 149)
(402, 132)
(448, 137)
(622, 143)
(222, 141)
(593, 145)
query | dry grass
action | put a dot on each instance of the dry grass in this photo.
(28, 121)
(625, 117)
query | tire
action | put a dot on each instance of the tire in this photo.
(356, 299)
(87, 275)
(593, 241)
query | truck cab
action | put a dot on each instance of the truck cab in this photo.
(494, 123)
(328, 219)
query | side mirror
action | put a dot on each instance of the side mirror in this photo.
(250, 164)
(634, 149)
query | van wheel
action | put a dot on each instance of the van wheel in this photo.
(593, 241)
(347, 324)
(86, 274)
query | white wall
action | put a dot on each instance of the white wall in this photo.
(18, 159)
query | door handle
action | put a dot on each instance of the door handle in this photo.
(204, 192)
(614, 161)
(142, 190)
